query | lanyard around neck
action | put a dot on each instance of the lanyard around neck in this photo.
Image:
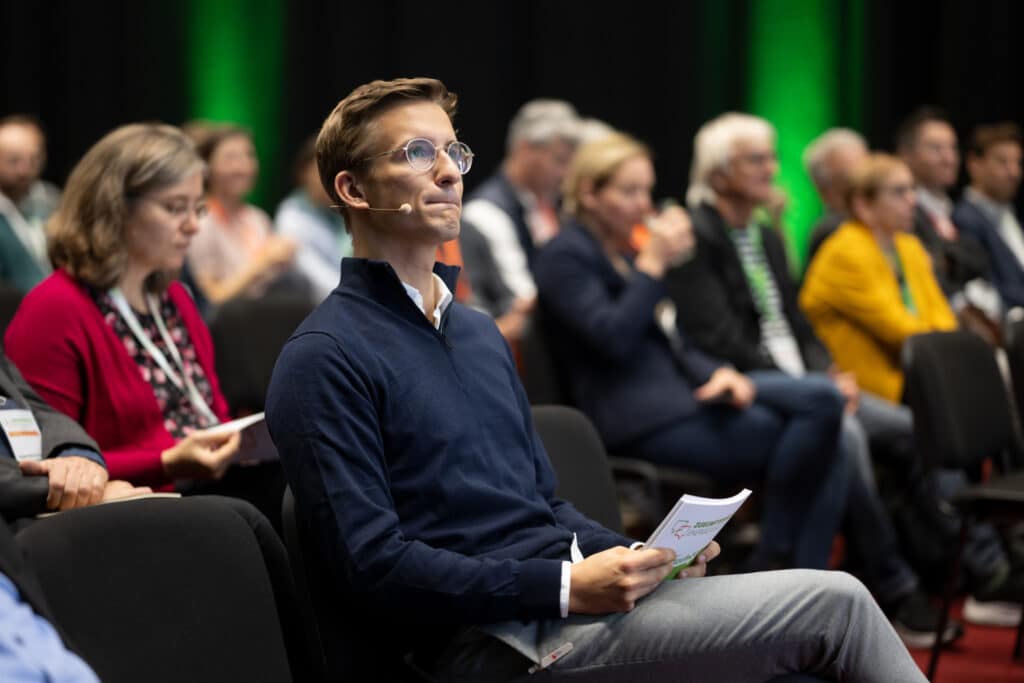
(184, 381)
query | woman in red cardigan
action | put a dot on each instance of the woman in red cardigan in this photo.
(109, 338)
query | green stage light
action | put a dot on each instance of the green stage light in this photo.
(236, 55)
(804, 79)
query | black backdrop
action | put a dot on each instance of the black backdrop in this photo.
(655, 69)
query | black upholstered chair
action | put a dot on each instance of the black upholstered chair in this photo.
(344, 645)
(248, 335)
(194, 589)
(578, 458)
(10, 299)
(962, 417)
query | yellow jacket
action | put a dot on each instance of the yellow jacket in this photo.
(852, 297)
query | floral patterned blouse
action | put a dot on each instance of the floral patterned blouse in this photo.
(180, 416)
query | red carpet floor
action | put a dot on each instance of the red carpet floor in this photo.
(983, 655)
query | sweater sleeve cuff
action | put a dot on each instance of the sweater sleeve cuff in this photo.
(86, 453)
(540, 583)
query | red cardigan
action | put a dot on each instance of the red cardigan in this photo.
(72, 357)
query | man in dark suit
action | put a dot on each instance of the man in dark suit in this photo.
(68, 472)
(986, 211)
(927, 142)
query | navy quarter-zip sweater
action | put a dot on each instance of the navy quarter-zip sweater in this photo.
(412, 453)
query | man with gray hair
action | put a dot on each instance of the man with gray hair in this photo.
(829, 158)
(515, 211)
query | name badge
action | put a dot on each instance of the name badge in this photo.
(21, 430)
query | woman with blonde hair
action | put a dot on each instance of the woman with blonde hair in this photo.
(653, 395)
(110, 338)
(871, 284)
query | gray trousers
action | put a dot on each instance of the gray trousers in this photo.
(725, 629)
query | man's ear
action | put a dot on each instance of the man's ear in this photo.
(349, 191)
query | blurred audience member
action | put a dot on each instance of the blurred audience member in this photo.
(306, 216)
(829, 159)
(986, 211)
(108, 338)
(516, 209)
(656, 397)
(26, 202)
(927, 143)
(235, 252)
(871, 285)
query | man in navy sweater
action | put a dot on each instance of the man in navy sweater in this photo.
(407, 438)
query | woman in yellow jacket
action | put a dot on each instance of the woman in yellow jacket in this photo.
(870, 286)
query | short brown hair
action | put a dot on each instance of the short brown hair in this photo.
(868, 176)
(87, 232)
(909, 128)
(596, 162)
(987, 136)
(343, 138)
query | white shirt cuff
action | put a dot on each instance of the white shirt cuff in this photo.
(563, 594)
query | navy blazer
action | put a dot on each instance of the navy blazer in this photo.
(1006, 271)
(621, 369)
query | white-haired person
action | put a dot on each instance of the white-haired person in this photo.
(828, 160)
(736, 299)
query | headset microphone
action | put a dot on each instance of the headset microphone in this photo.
(404, 208)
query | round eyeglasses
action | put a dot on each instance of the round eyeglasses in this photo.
(421, 154)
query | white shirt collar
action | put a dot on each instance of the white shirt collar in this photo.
(994, 208)
(934, 203)
(443, 301)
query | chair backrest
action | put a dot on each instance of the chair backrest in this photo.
(580, 461)
(294, 542)
(344, 645)
(1013, 337)
(168, 590)
(10, 299)
(541, 376)
(961, 411)
(248, 335)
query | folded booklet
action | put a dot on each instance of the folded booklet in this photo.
(692, 524)
(235, 425)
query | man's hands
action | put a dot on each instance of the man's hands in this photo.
(700, 567)
(724, 381)
(74, 481)
(613, 580)
(201, 455)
